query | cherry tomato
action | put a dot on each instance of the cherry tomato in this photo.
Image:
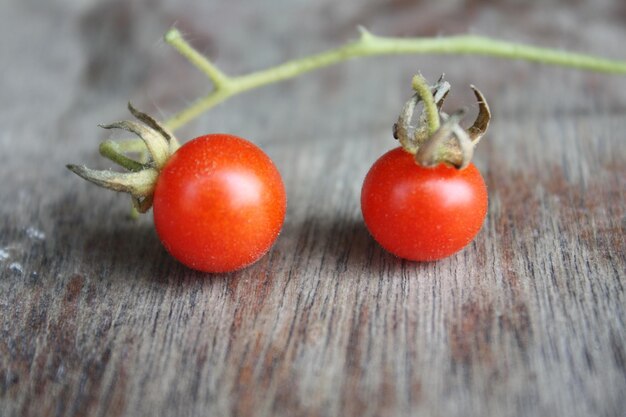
(422, 214)
(219, 203)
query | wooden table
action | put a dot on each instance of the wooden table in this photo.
(96, 318)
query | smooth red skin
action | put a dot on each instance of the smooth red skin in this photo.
(422, 214)
(219, 203)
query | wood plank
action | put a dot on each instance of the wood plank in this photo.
(97, 319)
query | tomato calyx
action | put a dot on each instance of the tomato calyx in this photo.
(140, 180)
(438, 137)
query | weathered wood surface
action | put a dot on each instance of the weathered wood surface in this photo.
(96, 319)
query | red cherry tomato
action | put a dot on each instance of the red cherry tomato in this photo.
(422, 214)
(219, 203)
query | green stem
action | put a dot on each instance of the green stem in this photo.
(422, 88)
(370, 45)
(196, 109)
(114, 151)
(174, 38)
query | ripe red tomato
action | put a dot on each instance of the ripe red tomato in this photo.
(422, 214)
(219, 203)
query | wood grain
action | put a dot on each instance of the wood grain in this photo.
(97, 320)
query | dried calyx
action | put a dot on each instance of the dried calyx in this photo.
(141, 179)
(438, 137)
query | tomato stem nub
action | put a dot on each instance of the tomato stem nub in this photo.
(430, 113)
(112, 150)
(430, 141)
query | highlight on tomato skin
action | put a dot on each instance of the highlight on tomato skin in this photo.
(219, 203)
(422, 214)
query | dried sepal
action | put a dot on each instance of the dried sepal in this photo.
(156, 144)
(142, 204)
(481, 124)
(450, 143)
(141, 180)
(138, 184)
(154, 124)
(402, 128)
(440, 96)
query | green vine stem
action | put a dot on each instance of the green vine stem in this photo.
(367, 44)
